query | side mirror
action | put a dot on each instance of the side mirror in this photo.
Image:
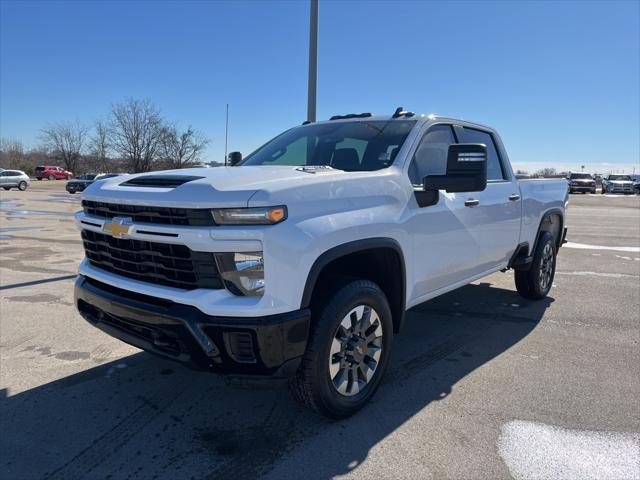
(235, 158)
(466, 170)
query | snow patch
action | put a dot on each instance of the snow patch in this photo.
(535, 451)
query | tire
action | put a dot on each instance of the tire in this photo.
(39, 178)
(7, 188)
(603, 190)
(51, 177)
(535, 283)
(328, 360)
(22, 186)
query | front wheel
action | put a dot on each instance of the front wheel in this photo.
(347, 353)
(536, 282)
(22, 186)
(51, 177)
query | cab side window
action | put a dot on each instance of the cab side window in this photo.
(495, 171)
(430, 157)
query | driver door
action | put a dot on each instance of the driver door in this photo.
(444, 235)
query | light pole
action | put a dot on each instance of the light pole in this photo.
(226, 135)
(313, 61)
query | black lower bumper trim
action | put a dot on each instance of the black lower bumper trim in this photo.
(271, 345)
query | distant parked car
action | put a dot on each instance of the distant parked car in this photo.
(14, 179)
(581, 182)
(83, 181)
(636, 183)
(52, 173)
(617, 184)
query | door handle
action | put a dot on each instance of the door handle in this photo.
(472, 202)
(514, 197)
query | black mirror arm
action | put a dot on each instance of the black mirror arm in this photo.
(426, 198)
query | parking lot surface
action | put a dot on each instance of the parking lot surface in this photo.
(482, 383)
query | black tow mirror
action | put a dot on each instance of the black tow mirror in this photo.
(235, 158)
(466, 170)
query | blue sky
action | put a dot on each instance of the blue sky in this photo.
(559, 80)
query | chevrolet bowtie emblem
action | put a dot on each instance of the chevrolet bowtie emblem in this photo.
(118, 227)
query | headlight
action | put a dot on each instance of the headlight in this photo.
(250, 216)
(242, 273)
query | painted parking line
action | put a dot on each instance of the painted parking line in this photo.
(584, 246)
(599, 274)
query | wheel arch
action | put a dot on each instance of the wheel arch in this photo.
(382, 248)
(552, 221)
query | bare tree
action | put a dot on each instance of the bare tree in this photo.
(11, 153)
(547, 172)
(135, 132)
(182, 150)
(100, 146)
(67, 140)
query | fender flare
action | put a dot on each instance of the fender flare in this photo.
(352, 247)
(551, 211)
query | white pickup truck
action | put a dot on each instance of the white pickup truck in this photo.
(300, 260)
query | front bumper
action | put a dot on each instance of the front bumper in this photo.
(262, 346)
(582, 188)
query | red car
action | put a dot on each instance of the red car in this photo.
(52, 173)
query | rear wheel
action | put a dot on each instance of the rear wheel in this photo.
(536, 282)
(347, 353)
(22, 186)
(51, 177)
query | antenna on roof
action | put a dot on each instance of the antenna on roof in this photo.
(400, 112)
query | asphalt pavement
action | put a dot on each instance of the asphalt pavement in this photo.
(481, 384)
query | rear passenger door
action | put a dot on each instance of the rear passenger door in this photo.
(499, 208)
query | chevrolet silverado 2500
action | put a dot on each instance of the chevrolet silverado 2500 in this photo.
(300, 261)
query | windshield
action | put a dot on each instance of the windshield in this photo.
(619, 177)
(350, 146)
(581, 175)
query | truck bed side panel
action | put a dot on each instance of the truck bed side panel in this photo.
(539, 197)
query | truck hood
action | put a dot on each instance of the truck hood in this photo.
(210, 187)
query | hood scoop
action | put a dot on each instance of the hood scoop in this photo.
(160, 181)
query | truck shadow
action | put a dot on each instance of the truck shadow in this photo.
(144, 417)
